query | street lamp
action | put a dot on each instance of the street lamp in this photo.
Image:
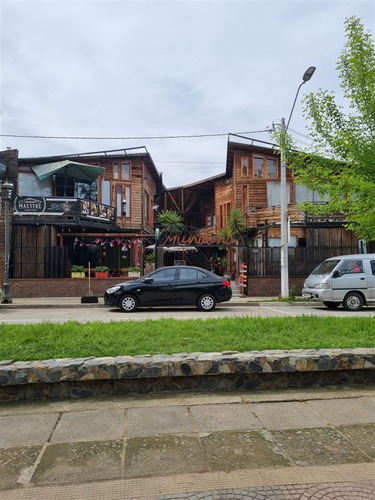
(156, 234)
(7, 189)
(283, 195)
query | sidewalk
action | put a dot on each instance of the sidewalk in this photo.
(56, 302)
(278, 445)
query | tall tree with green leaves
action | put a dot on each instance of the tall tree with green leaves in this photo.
(342, 164)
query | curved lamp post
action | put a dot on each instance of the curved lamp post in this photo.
(7, 190)
(283, 195)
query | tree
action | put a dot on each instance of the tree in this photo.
(170, 222)
(342, 163)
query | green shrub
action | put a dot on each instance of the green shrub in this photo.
(101, 269)
(135, 269)
(77, 269)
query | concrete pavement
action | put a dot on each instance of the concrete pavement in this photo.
(295, 444)
(60, 302)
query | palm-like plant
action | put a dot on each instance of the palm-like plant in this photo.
(236, 222)
(170, 221)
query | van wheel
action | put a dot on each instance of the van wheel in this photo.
(353, 302)
(331, 305)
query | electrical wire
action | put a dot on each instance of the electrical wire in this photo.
(195, 136)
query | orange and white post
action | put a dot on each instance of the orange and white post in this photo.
(243, 278)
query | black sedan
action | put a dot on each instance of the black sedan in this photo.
(171, 286)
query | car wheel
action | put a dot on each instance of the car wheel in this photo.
(206, 302)
(128, 303)
(353, 302)
(331, 305)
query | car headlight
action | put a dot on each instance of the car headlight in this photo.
(113, 289)
(322, 285)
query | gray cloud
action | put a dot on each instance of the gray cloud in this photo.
(90, 68)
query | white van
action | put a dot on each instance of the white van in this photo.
(347, 279)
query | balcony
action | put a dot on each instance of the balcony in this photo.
(62, 211)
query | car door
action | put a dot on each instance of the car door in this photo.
(189, 285)
(350, 275)
(160, 291)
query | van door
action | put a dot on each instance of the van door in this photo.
(370, 271)
(350, 275)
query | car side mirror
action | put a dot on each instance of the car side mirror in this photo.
(336, 274)
(148, 280)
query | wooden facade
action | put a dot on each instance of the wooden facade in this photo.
(118, 215)
(252, 184)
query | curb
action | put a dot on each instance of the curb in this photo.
(76, 306)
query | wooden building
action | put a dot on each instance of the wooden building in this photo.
(99, 208)
(91, 209)
(252, 184)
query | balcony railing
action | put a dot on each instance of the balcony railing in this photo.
(63, 208)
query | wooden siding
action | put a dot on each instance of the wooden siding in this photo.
(223, 195)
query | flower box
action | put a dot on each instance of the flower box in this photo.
(134, 274)
(101, 274)
(78, 274)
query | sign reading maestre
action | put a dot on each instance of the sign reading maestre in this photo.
(39, 205)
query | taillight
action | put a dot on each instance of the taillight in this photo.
(226, 283)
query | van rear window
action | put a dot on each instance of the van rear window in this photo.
(326, 267)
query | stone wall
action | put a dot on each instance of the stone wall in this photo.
(64, 378)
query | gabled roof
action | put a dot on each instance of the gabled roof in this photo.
(251, 145)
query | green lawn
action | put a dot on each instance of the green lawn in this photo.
(167, 336)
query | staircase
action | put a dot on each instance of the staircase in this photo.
(236, 289)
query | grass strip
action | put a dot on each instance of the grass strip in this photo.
(168, 336)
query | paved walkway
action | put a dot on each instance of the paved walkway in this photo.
(295, 444)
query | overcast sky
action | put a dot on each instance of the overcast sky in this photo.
(134, 69)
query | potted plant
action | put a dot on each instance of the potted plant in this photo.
(101, 272)
(77, 271)
(134, 272)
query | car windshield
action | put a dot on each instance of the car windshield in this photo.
(326, 267)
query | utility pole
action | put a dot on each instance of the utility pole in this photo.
(284, 218)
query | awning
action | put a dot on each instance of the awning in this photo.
(68, 168)
(179, 249)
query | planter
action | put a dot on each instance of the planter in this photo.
(134, 274)
(101, 274)
(78, 274)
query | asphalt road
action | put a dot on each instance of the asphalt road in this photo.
(91, 313)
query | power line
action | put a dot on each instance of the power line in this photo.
(194, 162)
(88, 138)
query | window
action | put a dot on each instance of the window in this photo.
(244, 198)
(190, 274)
(350, 267)
(265, 167)
(372, 264)
(244, 167)
(258, 167)
(211, 220)
(224, 213)
(147, 207)
(164, 275)
(122, 200)
(271, 168)
(121, 170)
